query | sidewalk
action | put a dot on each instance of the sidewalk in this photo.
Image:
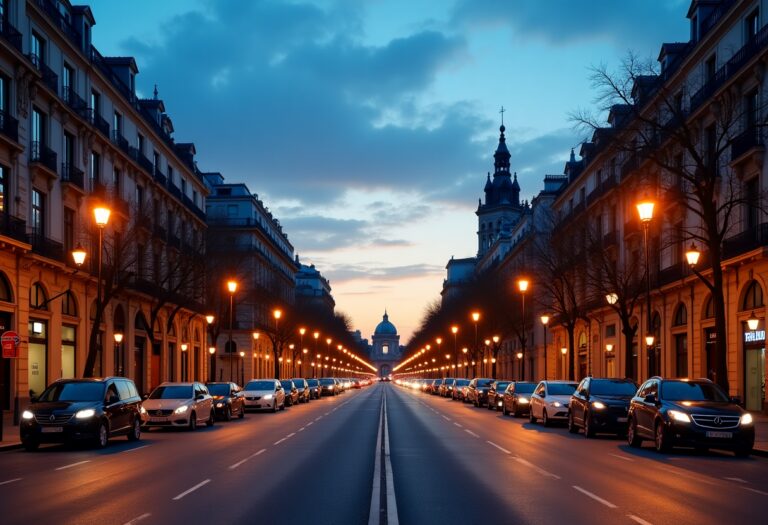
(10, 433)
(761, 434)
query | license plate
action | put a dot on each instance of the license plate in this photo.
(157, 419)
(50, 430)
(720, 435)
(621, 419)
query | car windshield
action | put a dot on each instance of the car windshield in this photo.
(685, 391)
(287, 384)
(525, 388)
(260, 385)
(561, 389)
(327, 382)
(608, 387)
(462, 382)
(502, 385)
(74, 392)
(312, 382)
(218, 390)
(484, 382)
(172, 392)
(299, 383)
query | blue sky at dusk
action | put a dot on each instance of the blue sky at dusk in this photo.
(367, 126)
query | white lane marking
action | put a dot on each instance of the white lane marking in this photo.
(392, 518)
(625, 458)
(9, 481)
(638, 519)
(138, 519)
(537, 469)
(189, 491)
(233, 467)
(595, 497)
(737, 480)
(290, 435)
(301, 429)
(326, 413)
(73, 464)
(310, 423)
(318, 418)
(279, 441)
(499, 447)
(755, 491)
(446, 418)
(468, 431)
(133, 449)
(374, 514)
(458, 424)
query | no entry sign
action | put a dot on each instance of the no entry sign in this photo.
(10, 343)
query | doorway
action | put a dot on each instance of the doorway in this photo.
(754, 362)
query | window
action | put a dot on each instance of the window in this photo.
(37, 299)
(95, 103)
(681, 355)
(38, 213)
(140, 143)
(681, 316)
(710, 68)
(69, 306)
(155, 160)
(752, 204)
(37, 49)
(69, 151)
(170, 174)
(69, 231)
(194, 197)
(95, 169)
(5, 84)
(610, 330)
(68, 81)
(753, 297)
(38, 130)
(751, 105)
(231, 210)
(709, 308)
(4, 173)
(183, 187)
(385, 349)
(140, 199)
(752, 25)
(117, 181)
(117, 123)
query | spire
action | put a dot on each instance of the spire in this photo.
(515, 184)
(502, 155)
(155, 92)
(573, 156)
(386, 317)
(488, 185)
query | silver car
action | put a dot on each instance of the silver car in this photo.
(264, 394)
(178, 405)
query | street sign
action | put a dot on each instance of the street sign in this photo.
(10, 344)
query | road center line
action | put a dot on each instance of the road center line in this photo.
(290, 435)
(499, 447)
(595, 497)
(9, 481)
(392, 518)
(537, 469)
(458, 424)
(189, 491)
(279, 441)
(446, 418)
(233, 467)
(621, 457)
(468, 431)
(638, 519)
(755, 491)
(74, 464)
(737, 480)
(310, 423)
(318, 418)
(138, 519)
(133, 449)
(301, 429)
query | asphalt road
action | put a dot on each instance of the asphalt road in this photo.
(315, 464)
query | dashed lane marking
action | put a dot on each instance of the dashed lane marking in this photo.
(133, 449)
(499, 447)
(9, 481)
(737, 480)
(279, 441)
(138, 519)
(233, 467)
(446, 418)
(190, 491)
(621, 457)
(468, 431)
(638, 519)
(74, 464)
(595, 497)
(756, 491)
(301, 429)
(537, 469)
(458, 424)
(310, 423)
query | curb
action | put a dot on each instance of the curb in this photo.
(11, 446)
(760, 452)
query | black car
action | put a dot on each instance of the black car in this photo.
(694, 413)
(477, 394)
(314, 388)
(435, 388)
(601, 405)
(446, 388)
(83, 410)
(496, 395)
(303, 388)
(517, 398)
(228, 400)
(458, 389)
(291, 393)
(328, 387)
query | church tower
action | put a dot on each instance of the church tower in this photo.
(386, 346)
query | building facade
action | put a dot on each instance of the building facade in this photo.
(385, 349)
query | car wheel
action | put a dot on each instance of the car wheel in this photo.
(228, 414)
(531, 417)
(211, 419)
(503, 409)
(30, 445)
(135, 432)
(632, 438)
(102, 437)
(192, 422)
(572, 428)
(282, 407)
(660, 438)
(490, 406)
(241, 414)
(589, 431)
(545, 418)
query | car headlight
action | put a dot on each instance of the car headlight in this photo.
(142, 410)
(522, 400)
(746, 419)
(85, 414)
(268, 396)
(501, 402)
(679, 416)
(27, 415)
(557, 404)
(219, 405)
(181, 409)
(598, 405)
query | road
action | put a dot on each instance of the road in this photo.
(320, 463)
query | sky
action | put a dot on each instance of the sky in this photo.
(368, 126)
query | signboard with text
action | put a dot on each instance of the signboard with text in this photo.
(10, 344)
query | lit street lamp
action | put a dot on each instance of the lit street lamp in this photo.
(522, 286)
(545, 322)
(564, 351)
(212, 351)
(232, 287)
(118, 361)
(645, 211)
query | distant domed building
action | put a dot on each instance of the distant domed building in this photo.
(386, 351)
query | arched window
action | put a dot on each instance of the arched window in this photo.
(583, 342)
(753, 297)
(38, 297)
(681, 316)
(6, 292)
(68, 305)
(230, 347)
(709, 308)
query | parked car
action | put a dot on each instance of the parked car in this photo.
(303, 388)
(549, 402)
(496, 395)
(228, 400)
(601, 405)
(460, 389)
(291, 392)
(185, 404)
(328, 387)
(434, 389)
(82, 409)
(517, 398)
(695, 413)
(477, 391)
(314, 388)
(264, 394)
(446, 388)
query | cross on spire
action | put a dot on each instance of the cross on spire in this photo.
(502, 111)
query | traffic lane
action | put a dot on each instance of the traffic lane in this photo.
(612, 468)
(322, 474)
(161, 466)
(445, 472)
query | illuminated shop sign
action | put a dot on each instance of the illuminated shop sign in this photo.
(754, 336)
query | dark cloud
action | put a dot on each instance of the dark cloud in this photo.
(625, 23)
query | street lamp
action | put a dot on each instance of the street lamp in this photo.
(277, 313)
(78, 255)
(692, 256)
(522, 286)
(118, 361)
(242, 367)
(466, 365)
(564, 351)
(753, 322)
(455, 331)
(232, 287)
(608, 347)
(545, 321)
(612, 298)
(645, 211)
(101, 217)
(212, 351)
(257, 353)
(184, 363)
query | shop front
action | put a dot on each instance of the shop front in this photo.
(754, 369)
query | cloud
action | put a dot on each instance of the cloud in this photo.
(376, 272)
(625, 23)
(324, 233)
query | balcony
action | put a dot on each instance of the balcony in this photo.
(74, 101)
(51, 10)
(748, 145)
(121, 142)
(160, 176)
(72, 175)
(146, 164)
(46, 247)
(193, 207)
(98, 122)
(50, 78)
(748, 240)
(175, 191)
(42, 154)
(10, 34)
(9, 126)
(13, 227)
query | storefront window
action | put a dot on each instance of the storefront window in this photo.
(37, 356)
(68, 351)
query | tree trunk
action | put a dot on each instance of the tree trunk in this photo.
(629, 336)
(276, 355)
(93, 340)
(719, 367)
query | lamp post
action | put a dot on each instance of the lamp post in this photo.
(101, 218)
(232, 287)
(242, 367)
(212, 374)
(184, 365)
(645, 211)
(522, 286)
(455, 331)
(277, 347)
(466, 363)
(475, 319)
(328, 347)
(521, 367)
(118, 361)
(564, 351)
(545, 321)
(257, 354)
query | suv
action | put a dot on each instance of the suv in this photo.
(695, 413)
(601, 405)
(83, 409)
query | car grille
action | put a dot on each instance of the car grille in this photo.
(715, 421)
(159, 412)
(58, 419)
(256, 398)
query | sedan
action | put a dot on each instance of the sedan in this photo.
(314, 388)
(328, 387)
(228, 401)
(549, 402)
(477, 392)
(447, 387)
(517, 398)
(496, 395)
(179, 405)
(264, 394)
(601, 405)
(460, 390)
(291, 392)
(303, 388)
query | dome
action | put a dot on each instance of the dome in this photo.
(385, 327)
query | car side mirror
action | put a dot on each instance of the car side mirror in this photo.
(198, 397)
(736, 400)
(145, 396)
(650, 398)
(543, 395)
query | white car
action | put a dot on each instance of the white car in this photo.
(178, 405)
(264, 394)
(549, 402)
